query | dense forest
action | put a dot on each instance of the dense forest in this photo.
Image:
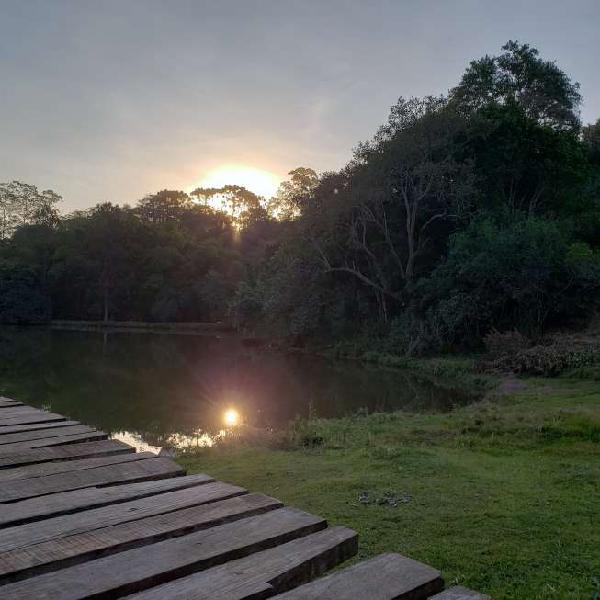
(468, 212)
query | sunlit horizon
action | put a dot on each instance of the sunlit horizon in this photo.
(140, 120)
(259, 181)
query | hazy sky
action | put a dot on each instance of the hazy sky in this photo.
(110, 100)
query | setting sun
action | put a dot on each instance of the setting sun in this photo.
(262, 183)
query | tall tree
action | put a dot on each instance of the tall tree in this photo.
(243, 206)
(520, 77)
(22, 204)
(522, 166)
(294, 194)
(164, 206)
(591, 137)
(403, 193)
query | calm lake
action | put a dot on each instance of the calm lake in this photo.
(162, 390)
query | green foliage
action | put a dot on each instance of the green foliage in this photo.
(521, 166)
(520, 77)
(167, 259)
(526, 274)
(164, 206)
(409, 335)
(464, 213)
(591, 137)
(295, 194)
(290, 297)
(243, 206)
(21, 299)
(505, 343)
(549, 360)
(22, 204)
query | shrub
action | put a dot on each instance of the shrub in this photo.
(549, 360)
(21, 299)
(522, 274)
(409, 336)
(505, 343)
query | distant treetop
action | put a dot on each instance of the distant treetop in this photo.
(519, 76)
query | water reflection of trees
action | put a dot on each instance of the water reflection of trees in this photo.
(160, 384)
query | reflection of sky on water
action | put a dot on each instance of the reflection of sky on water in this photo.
(174, 391)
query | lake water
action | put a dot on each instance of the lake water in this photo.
(161, 390)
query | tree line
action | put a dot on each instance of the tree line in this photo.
(471, 211)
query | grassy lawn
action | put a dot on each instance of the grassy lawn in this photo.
(502, 496)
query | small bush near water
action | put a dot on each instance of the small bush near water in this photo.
(549, 357)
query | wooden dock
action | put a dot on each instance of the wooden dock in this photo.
(83, 516)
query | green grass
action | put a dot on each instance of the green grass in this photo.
(502, 496)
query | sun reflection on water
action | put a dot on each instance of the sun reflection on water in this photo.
(174, 441)
(231, 417)
(231, 420)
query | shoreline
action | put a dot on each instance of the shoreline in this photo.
(459, 368)
(142, 326)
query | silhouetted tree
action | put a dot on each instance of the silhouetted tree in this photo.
(520, 77)
(241, 204)
(22, 204)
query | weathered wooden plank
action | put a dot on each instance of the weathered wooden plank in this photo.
(4, 403)
(23, 415)
(30, 534)
(42, 417)
(36, 509)
(75, 549)
(385, 577)
(9, 402)
(35, 426)
(12, 412)
(38, 434)
(53, 468)
(9, 412)
(10, 406)
(149, 468)
(134, 570)
(265, 573)
(61, 440)
(65, 452)
(459, 593)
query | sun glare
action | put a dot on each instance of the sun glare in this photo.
(231, 417)
(262, 183)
